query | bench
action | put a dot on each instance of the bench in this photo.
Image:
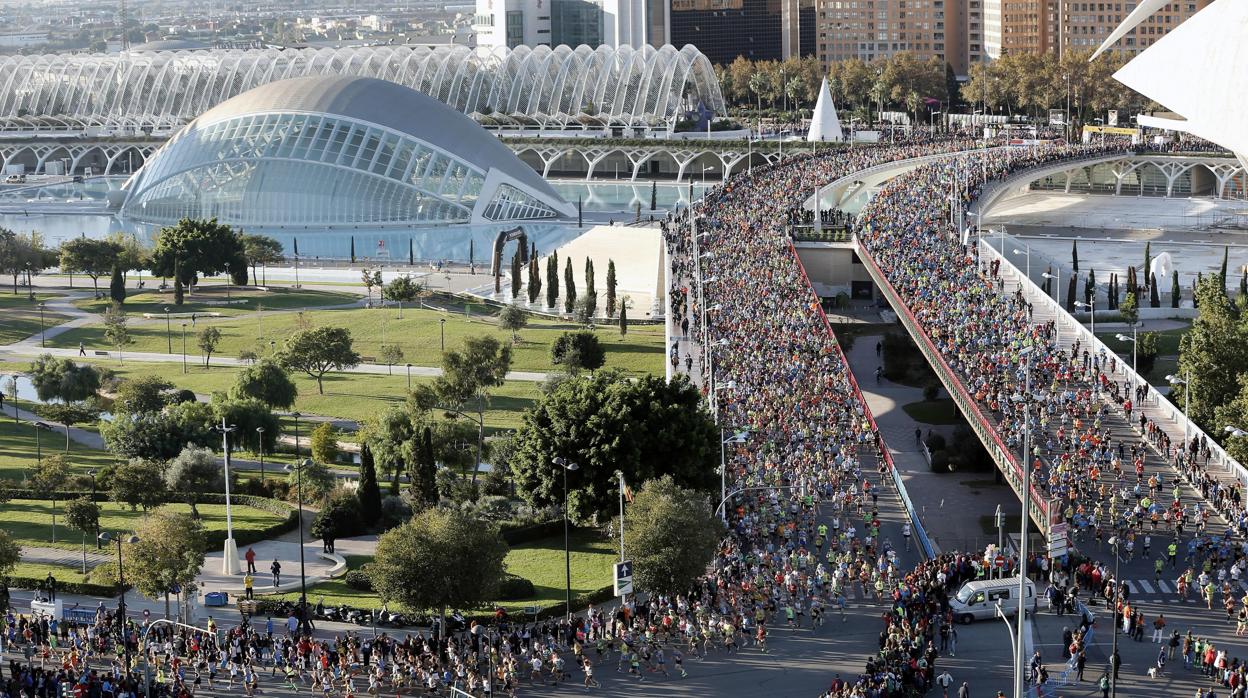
(97, 352)
(368, 359)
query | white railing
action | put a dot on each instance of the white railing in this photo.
(1154, 400)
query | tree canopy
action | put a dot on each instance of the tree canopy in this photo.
(268, 382)
(644, 427)
(197, 247)
(577, 351)
(671, 535)
(138, 483)
(90, 256)
(62, 379)
(318, 351)
(470, 373)
(168, 554)
(193, 472)
(439, 559)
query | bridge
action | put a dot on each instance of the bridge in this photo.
(984, 419)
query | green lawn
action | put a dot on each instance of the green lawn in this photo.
(942, 411)
(62, 573)
(29, 521)
(153, 301)
(419, 334)
(1167, 341)
(21, 316)
(21, 300)
(541, 562)
(18, 451)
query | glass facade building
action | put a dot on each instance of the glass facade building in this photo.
(332, 152)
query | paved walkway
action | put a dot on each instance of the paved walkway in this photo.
(64, 556)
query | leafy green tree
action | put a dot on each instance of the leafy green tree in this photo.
(325, 443)
(89, 256)
(390, 355)
(138, 483)
(83, 515)
(116, 329)
(193, 472)
(69, 414)
(439, 559)
(24, 255)
(10, 556)
(168, 554)
(403, 289)
(318, 351)
(577, 351)
(552, 280)
(261, 251)
(1215, 348)
(569, 287)
(117, 286)
(208, 339)
(143, 393)
(1129, 309)
(318, 481)
(247, 415)
(611, 288)
(469, 373)
(156, 436)
(369, 493)
(512, 319)
(671, 536)
(267, 381)
(340, 516)
(62, 379)
(196, 247)
(609, 421)
(47, 478)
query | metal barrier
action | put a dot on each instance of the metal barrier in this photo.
(920, 533)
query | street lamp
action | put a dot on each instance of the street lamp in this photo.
(184, 347)
(168, 331)
(409, 378)
(1134, 344)
(42, 343)
(229, 560)
(260, 431)
(566, 465)
(1019, 681)
(39, 427)
(1028, 253)
(121, 583)
(297, 468)
(1187, 401)
(1091, 310)
(737, 438)
(442, 323)
(296, 415)
(16, 419)
(1113, 676)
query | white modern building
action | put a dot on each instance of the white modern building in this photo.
(336, 152)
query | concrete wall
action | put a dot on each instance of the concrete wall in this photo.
(833, 267)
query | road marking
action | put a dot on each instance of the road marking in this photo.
(1144, 586)
(1163, 587)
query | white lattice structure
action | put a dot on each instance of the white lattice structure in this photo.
(163, 90)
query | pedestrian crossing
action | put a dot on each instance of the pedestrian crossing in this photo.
(1166, 588)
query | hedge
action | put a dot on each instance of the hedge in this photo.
(515, 533)
(63, 587)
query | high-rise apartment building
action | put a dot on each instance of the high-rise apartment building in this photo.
(512, 23)
(870, 29)
(756, 29)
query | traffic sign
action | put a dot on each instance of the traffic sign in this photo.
(623, 578)
(1000, 561)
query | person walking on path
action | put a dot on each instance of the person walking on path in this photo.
(964, 691)
(250, 556)
(248, 583)
(276, 569)
(945, 680)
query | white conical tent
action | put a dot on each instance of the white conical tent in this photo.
(825, 126)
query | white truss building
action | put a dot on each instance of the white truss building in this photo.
(561, 87)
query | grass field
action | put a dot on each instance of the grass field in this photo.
(541, 562)
(29, 521)
(1167, 341)
(62, 573)
(18, 452)
(21, 316)
(418, 334)
(154, 301)
(942, 411)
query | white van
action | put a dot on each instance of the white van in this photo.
(978, 600)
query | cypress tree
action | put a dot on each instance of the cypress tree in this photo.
(515, 274)
(1222, 274)
(411, 253)
(1154, 300)
(535, 280)
(1243, 282)
(569, 287)
(589, 275)
(353, 249)
(623, 319)
(471, 254)
(552, 280)
(610, 288)
(1174, 288)
(1148, 258)
(369, 493)
(1071, 289)
(424, 474)
(1196, 296)
(1089, 289)
(654, 195)
(117, 286)
(1074, 255)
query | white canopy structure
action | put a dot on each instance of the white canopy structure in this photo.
(824, 125)
(1197, 70)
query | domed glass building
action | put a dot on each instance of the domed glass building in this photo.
(337, 151)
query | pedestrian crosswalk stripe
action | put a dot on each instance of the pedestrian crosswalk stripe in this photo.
(1144, 586)
(1243, 585)
(1164, 587)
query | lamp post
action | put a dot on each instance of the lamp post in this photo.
(619, 475)
(168, 332)
(13, 400)
(42, 343)
(260, 443)
(296, 415)
(229, 561)
(1091, 310)
(39, 426)
(442, 324)
(1187, 400)
(737, 438)
(1134, 344)
(1019, 676)
(565, 465)
(1028, 253)
(121, 583)
(409, 378)
(184, 347)
(1113, 674)
(298, 467)
(91, 472)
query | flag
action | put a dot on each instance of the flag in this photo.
(931, 101)
(296, 247)
(628, 494)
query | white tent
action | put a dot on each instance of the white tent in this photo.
(825, 126)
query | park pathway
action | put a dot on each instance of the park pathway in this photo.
(63, 556)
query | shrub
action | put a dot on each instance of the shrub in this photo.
(358, 580)
(394, 511)
(936, 442)
(940, 461)
(340, 516)
(514, 588)
(931, 391)
(325, 443)
(494, 508)
(183, 395)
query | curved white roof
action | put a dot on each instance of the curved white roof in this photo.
(385, 104)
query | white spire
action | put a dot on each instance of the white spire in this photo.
(824, 126)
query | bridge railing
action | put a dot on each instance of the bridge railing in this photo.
(984, 428)
(925, 544)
